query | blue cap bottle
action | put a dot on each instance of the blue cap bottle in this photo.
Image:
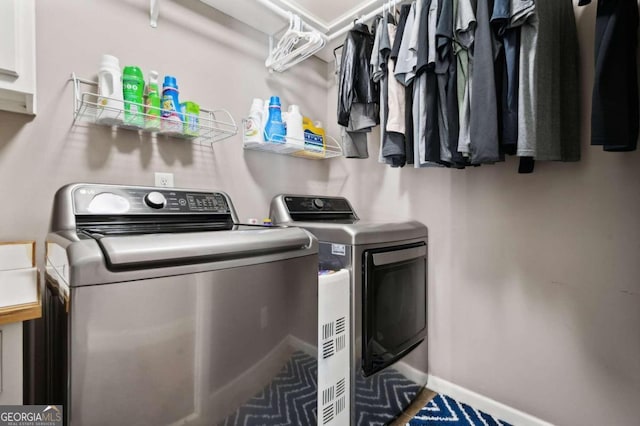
(172, 117)
(274, 129)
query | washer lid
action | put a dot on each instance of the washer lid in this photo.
(159, 250)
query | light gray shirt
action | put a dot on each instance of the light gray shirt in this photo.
(405, 69)
(465, 25)
(484, 103)
(524, 15)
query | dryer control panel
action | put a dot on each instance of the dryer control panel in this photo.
(314, 204)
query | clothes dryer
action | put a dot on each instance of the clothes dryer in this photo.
(388, 298)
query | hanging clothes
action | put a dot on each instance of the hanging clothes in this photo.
(415, 40)
(558, 82)
(507, 74)
(484, 109)
(464, 36)
(425, 90)
(446, 71)
(615, 111)
(405, 11)
(357, 94)
(523, 15)
(391, 118)
(394, 152)
(405, 72)
(465, 82)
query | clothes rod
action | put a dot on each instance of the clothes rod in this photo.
(363, 19)
(285, 15)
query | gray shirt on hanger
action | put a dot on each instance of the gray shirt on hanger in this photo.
(405, 69)
(465, 25)
(523, 13)
(484, 109)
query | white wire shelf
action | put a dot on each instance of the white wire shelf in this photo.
(295, 147)
(212, 126)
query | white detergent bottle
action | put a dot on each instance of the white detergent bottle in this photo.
(295, 132)
(254, 125)
(110, 106)
(265, 119)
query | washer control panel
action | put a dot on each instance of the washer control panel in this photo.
(118, 200)
(155, 200)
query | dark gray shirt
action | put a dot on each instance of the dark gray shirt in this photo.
(558, 82)
(484, 111)
(509, 38)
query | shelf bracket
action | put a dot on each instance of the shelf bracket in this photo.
(154, 12)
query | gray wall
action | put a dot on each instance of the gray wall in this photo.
(534, 295)
(534, 279)
(219, 63)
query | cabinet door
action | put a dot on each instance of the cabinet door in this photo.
(11, 364)
(9, 37)
(17, 56)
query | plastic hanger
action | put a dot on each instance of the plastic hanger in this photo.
(295, 45)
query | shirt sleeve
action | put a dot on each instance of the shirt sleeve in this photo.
(345, 95)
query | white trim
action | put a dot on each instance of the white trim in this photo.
(482, 403)
(301, 345)
(411, 373)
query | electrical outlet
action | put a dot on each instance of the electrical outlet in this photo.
(164, 180)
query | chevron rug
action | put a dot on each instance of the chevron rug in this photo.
(444, 411)
(382, 397)
(290, 398)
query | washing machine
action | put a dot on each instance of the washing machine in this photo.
(387, 310)
(161, 309)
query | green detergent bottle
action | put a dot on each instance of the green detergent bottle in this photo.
(133, 93)
(152, 103)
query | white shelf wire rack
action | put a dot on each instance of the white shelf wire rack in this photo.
(213, 125)
(294, 147)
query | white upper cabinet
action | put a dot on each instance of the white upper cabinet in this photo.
(18, 56)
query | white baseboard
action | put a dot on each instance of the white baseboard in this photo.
(411, 373)
(303, 346)
(482, 403)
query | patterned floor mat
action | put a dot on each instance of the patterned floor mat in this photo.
(290, 398)
(442, 410)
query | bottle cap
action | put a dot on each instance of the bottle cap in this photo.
(275, 100)
(132, 71)
(153, 76)
(257, 102)
(294, 109)
(170, 81)
(109, 61)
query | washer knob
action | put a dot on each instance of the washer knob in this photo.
(155, 200)
(318, 203)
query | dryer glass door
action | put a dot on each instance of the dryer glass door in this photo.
(394, 304)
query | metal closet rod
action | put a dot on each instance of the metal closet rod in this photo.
(323, 28)
(364, 18)
(285, 15)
